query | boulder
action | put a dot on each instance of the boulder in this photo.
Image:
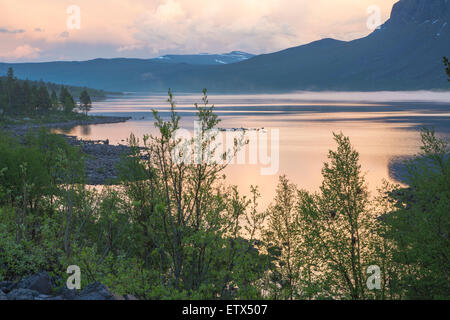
(96, 291)
(39, 287)
(22, 294)
(6, 286)
(67, 294)
(40, 282)
(43, 297)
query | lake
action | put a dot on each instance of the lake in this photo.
(383, 127)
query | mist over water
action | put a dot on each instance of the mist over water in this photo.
(378, 96)
(382, 126)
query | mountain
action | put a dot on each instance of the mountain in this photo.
(207, 59)
(405, 53)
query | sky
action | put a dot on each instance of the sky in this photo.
(54, 30)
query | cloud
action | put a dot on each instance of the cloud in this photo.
(219, 26)
(149, 28)
(133, 47)
(256, 26)
(4, 30)
(21, 52)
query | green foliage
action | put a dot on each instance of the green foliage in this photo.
(419, 225)
(20, 258)
(335, 225)
(31, 183)
(283, 241)
(67, 101)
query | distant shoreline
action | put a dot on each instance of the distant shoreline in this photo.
(92, 120)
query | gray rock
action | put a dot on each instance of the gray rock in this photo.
(117, 297)
(22, 294)
(96, 291)
(67, 294)
(39, 282)
(43, 297)
(39, 287)
(6, 286)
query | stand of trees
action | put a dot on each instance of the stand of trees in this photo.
(19, 98)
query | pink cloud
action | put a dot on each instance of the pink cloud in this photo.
(20, 52)
(147, 28)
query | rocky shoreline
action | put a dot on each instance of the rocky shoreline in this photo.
(42, 287)
(102, 158)
(67, 124)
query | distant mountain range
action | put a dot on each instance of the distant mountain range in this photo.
(405, 53)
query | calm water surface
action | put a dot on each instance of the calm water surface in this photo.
(382, 126)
